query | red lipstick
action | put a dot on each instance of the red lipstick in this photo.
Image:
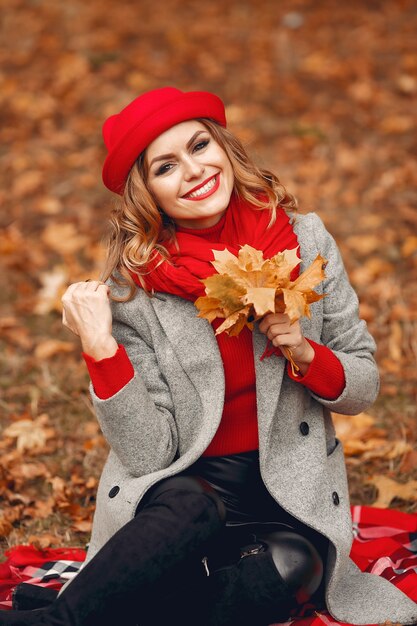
(208, 193)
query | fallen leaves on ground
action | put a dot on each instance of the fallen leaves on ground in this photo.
(361, 438)
(30, 435)
(389, 489)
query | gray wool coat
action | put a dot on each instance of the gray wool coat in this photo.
(165, 417)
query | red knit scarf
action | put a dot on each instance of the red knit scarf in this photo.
(241, 224)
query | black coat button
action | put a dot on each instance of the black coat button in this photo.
(114, 491)
(335, 497)
(304, 428)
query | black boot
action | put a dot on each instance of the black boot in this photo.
(27, 596)
(248, 593)
(136, 566)
(281, 570)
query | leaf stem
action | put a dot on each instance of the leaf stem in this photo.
(288, 355)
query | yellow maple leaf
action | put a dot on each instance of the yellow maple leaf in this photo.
(209, 308)
(249, 259)
(312, 276)
(226, 290)
(247, 287)
(235, 323)
(262, 299)
(250, 269)
(295, 304)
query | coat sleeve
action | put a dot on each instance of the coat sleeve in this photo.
(343, 332)
(138, 421)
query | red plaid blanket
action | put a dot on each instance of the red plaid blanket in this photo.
(385, 544)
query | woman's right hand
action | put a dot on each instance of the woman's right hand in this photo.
(87, 314)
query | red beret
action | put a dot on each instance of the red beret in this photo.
(129, 132)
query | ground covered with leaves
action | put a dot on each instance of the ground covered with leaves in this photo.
(323, 94)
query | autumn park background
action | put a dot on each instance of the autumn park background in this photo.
(321, 92)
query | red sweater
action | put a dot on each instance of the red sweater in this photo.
(238, 430)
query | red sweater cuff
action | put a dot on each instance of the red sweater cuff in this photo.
(325, 376)
(111, 374)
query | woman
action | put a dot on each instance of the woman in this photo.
(224, 497)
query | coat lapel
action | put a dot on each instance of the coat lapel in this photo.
(269, 375)
(195, 346)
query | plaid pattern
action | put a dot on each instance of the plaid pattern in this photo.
(47, 568)
(385, 544)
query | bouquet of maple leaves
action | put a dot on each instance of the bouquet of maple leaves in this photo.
(247, 287)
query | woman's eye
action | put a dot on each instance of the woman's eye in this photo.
(163, 169)
(201, 144)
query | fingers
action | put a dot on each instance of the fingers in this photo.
(273, 318)
(89, 285)
(86, 308)
(66, 323)
(93, 285)
(85, 286)
(289, 340)
(281, 332)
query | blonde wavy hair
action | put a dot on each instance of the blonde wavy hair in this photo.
(139, 228)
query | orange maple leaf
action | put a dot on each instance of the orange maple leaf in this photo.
(247, 287)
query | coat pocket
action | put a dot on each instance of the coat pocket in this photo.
(334, 446)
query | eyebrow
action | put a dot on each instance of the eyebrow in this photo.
(163, 157)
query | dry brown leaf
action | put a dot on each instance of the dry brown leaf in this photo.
(82, 526)
(64, 238)
(209, 308)
(247, 287)
(8, 322)
(27, 183)
(353, 447)
(396, 449)
(53, 287)
(91, 483)
(226, 290)
(311, 276)
(28, 471)
(388, 489)
(49, 347)
(409, 462)
(409, 247)
(261, 298)
(30, 434)
(397, 124)
(375, 448)
(250, 269)
(235, 323)
(395, 341)
(5, 527)
(17, 498)
(295, 304)
(49, 205)
(41, 509)
(45, 540)
(58, 487)
(361, 438)
(18, 336)
(352, 426)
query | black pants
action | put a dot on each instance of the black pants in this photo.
(151, 572)
(237, 480)
(250, 512)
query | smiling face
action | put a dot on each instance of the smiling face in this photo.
(189, 175)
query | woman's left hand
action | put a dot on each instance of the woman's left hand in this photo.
(283, 334)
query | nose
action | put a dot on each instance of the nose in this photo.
(192, 168)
